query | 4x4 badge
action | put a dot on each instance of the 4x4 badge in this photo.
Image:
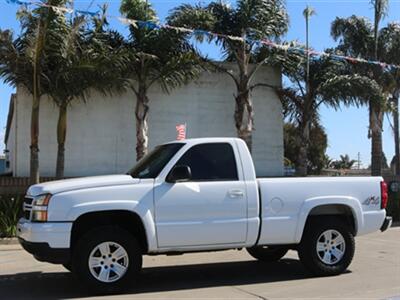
(373, 200)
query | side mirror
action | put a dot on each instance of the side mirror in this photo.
(179, 174)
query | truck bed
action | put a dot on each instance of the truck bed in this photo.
(285, 202)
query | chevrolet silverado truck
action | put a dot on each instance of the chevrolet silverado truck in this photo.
(197, 195)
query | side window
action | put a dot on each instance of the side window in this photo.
(211, 162)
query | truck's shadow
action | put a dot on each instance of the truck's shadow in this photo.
(156, 279)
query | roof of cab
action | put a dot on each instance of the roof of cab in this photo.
(205, 140)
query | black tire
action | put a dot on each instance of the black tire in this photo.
(268, 253)
(88, 242)
(68, 266)
(313, 259)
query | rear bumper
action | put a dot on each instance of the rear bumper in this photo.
(43, 252)
(386, 223)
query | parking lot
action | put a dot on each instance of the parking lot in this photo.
(374, 274)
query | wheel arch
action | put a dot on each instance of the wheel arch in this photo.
(348, 208)
(126, 219)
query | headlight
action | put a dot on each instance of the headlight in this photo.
(39, 208)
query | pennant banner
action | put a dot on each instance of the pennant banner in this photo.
(155, 26)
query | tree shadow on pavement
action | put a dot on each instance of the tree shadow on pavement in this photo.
(40, 285)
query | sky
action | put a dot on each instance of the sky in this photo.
(346, 128)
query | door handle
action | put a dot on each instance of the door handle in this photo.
(236, 193)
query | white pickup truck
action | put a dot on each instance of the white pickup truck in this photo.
(197, 195)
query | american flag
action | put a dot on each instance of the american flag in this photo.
(181, 131)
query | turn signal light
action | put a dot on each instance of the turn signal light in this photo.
(39, 215)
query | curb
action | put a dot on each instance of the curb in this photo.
(9, 241)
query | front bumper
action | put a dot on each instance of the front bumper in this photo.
(56, 234)
(48, 241)
(386, 223)
(43, 252)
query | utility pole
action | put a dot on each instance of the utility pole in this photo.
(358, 160)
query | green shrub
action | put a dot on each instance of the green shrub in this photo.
(10, 212)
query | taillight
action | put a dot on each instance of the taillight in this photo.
(384, 194)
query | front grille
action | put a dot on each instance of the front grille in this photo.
(27, 214)
(28, 200)
(27, 207)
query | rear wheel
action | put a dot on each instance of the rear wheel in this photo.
(268, 253)
(107, 259)
(327, 246)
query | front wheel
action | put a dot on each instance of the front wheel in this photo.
(327, 247)
(107, 259)
(268, 253)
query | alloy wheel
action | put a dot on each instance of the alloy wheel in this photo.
(330, 247)
(108, 262)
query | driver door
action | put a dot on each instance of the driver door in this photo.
(210, 208)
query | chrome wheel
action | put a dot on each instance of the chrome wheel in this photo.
(330, 247)
(108, 262)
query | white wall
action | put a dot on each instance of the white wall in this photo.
(101, 133)
(11, 142)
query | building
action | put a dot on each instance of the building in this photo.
(2, 164)
(101, 132)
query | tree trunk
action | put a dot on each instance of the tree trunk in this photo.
(303, 142)
(244, 115)
(375, 111)
(34, 159)
(34, 147)
(61, 137)
(375, 120)
(142, 129)
(396, 132)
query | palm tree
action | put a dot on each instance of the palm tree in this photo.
(358, 38)
(83, 59)
(251, 20)
(390, 44)
(329, 84)
(156, 56)
(21, 64)
(375, 110)
(344, 163)
(15, 62)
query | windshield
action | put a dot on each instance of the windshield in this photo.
(152, 164)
